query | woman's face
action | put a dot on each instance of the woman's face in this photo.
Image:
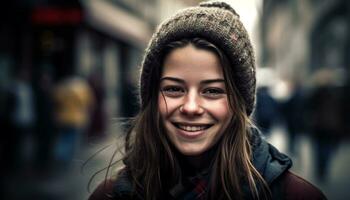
(193, 101)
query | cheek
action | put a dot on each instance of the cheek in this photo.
(167, 106)
(220, 110)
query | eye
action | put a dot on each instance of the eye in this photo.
(173, 91)
(213, 92)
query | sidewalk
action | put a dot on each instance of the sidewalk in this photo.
(70, 183)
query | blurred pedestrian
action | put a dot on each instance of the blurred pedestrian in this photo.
(73, 100)
(293, 112)
(266, 111)
(325, 119)
(193, 137)
(22, 116)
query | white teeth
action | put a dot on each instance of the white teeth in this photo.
(192, 128)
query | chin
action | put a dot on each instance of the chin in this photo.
(191, 151)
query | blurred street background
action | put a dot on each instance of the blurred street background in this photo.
(69, 75)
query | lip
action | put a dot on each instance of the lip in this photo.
(190, 134)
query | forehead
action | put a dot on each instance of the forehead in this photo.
(191, 60)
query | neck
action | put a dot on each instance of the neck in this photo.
(198, 163)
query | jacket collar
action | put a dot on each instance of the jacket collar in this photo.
(269, 162)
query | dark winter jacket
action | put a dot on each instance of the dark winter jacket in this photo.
(271, 164)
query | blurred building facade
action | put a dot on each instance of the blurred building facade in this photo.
(86, 38)
(298, 37)
(301, 40)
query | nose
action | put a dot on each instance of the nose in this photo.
(192, 105)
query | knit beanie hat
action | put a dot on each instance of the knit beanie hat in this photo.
(215, 22)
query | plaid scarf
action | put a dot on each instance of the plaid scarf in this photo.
(191, 188)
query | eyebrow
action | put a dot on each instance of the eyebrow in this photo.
(172, 79)
(183, 82)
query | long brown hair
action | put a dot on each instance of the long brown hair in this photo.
(152, 164)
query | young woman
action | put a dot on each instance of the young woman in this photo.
(193, 137)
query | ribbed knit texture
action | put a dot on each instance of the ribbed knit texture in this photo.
(215, 22)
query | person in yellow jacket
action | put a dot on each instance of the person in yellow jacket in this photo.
(73, 101)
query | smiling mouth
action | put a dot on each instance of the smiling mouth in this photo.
(192, 128)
